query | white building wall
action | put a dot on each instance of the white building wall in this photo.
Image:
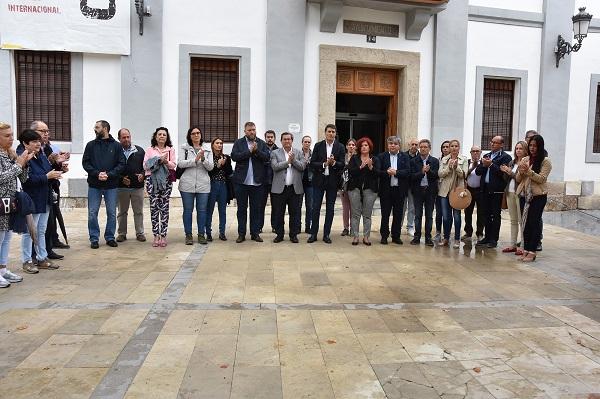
(517, 5)
(101, 100)
(502, 46)
(314, 38)
(225, 23)
(584, 63)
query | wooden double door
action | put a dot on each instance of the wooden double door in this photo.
(366, 104)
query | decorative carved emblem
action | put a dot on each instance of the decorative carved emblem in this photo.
(386, 82)
(365, 80)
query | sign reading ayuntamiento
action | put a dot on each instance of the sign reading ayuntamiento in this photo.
(371, 28)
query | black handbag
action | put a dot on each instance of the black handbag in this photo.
(7, 206)
(179, 171)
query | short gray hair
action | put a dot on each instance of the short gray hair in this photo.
(35, 124)
(394, 140)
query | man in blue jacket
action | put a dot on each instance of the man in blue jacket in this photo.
(104, 162)
(250, 155)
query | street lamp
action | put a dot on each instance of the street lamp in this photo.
(142, 11)
(581, 24)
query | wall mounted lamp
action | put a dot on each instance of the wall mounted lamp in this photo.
(581, 24)
(142, 11)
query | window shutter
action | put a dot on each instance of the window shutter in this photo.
(43, 89)
(214, 97)
(596, 148)
(498, 110)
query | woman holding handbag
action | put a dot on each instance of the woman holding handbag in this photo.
(453, 170)
(512, 199)
(346, 207)
(12, 167)
(159, 164)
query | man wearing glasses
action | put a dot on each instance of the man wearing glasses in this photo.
(492, 187)
(474, 186)
(59, 161)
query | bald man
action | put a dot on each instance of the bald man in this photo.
(474, 185)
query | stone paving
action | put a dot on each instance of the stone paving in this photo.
(297, 321)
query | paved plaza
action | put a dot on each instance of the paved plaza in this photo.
(298, 321)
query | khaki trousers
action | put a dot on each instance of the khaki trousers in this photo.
(514, 210)
(136, 198)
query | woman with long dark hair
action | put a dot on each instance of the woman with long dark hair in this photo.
(532, 175)
(219, 189)
(346, 207)
(159, 161)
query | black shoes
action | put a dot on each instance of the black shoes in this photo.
(311, 239)
(112, 243)
(208, 237)
(415, 241)
(240, 238)
(384, 241)
(326, 240)
(222, 237)
(61, 245)
(492, 244)
(539, 247)
(294, 239)
(429, 242)
(345, 232)
(94, 245)
(54, 255)
(277, 239)
(256, 237)
(482, 243)
(397, 241)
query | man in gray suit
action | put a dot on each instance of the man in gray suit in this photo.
(288, 165)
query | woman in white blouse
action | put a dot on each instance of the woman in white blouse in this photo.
(512, 199)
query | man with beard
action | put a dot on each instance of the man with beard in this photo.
(271, 146)
(104, 162)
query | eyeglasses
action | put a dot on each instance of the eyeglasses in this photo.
(495, 142)
(43, 131)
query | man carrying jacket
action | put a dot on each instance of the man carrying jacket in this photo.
(104, 162)
(131, 188)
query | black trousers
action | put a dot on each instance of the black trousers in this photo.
(492, 205)
(475, 200)
(329, 191)
(293, 202)
(265, 195)
(424, 199)
(392, 203)
(532, 232)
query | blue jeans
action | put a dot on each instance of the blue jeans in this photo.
(218, 195)
(40, 220)
(308, 205)
(450, 213)
(248, 195)
(110, 201)
(188, 207)
(4, 246)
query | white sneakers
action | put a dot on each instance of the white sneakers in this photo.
(7, 277)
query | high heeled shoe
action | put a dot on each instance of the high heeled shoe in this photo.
(530, 257)
(156, 241)
(355, 241)
(366, 242)
(163, 242)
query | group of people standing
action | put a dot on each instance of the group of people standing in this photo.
(413, 182)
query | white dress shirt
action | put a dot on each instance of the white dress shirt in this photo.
(329, 151)
(393, 165)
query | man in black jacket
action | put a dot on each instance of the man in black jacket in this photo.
(104, 162)
(492, 189)
(271, 146)
(327, 163)
(424, 186)
(250, 155)
(131, 188)
(393, 187)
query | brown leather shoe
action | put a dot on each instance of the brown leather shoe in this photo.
(47, 265)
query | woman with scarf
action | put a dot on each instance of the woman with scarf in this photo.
(160, 164)
(532, 175)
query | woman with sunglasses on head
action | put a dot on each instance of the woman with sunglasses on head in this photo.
(219, 188)
(532, 175)
(194, 184)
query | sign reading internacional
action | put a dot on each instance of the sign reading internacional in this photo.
(86, 26)
(371, 28)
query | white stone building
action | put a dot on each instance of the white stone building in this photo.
(461, 69)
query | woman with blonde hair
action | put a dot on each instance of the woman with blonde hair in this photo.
(453, 169)
(512, 199)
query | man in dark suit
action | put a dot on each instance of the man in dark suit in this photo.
(424, 186)
(492, 189)
(327, 163)
(393, 187)
(286, 190)
(250, 155)
(271, 146)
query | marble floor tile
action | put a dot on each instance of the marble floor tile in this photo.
(357, 381)
(257, 350)
(76, 383)
(255, 322)
(100, 351)
(256, 382)
(401, 321)
(55, 352)
(306, 382)
(300, 350)
(383, 348)
(451, 380)
(171, 351)
(156, 383)
(295, 322)
(437, 320)
(404, 381)
(221, 322)
(184, 322)
(366, 322)
(329, 323)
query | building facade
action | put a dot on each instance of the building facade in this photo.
(438, 69)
